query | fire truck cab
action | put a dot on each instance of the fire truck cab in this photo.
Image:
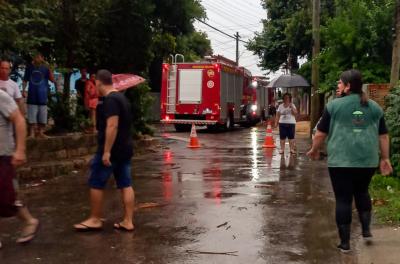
(214, 92)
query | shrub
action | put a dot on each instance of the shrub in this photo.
(141, 101)
(392, 116)
(62, 109)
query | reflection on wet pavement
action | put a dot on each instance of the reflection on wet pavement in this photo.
(229, 196)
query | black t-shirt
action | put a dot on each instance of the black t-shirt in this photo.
(115, 104)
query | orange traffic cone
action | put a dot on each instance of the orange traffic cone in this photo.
(194, 141)
(269, 139)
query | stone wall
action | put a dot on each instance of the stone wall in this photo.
(61, 148)
(62, 155)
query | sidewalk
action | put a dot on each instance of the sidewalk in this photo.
(383, 250)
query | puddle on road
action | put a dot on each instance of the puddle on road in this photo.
(213, 195)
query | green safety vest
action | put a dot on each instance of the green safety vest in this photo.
(353, 140)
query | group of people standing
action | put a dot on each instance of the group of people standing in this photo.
(36, 78)
(113, 156)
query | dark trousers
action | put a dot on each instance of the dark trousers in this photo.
(348, 183)
(7, 191)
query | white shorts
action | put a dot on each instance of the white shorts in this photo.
(37, 114)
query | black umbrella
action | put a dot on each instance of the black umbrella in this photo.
(288, 81)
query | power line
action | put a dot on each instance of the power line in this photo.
(250, 8)
(232, 10)
(225, 15)
(220, 31)
(242, 26)
(244, 13)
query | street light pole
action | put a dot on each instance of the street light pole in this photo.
(315, 102)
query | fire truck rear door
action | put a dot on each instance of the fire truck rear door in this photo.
(190, 86)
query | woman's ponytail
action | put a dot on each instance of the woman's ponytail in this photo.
(354, 78)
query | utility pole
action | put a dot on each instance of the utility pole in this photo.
(315, 99)
(237, 47)
(394, 76)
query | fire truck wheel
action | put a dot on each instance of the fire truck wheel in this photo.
(229, 125)
(182, 127)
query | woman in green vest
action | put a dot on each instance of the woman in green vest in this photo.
(357, 143)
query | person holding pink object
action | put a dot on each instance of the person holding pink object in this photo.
(91, 101)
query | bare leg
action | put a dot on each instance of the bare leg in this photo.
(128, 199)
(32, 130)
(31, 225)
(93, 119)
(41, 128)
(96, 203)
(292, 144)
(282, 142)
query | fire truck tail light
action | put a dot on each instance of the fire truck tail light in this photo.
(165, 66)
(167, 118)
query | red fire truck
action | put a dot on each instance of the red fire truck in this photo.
(214, 92)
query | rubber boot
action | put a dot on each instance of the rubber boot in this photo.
(365, 220)
(344, 234)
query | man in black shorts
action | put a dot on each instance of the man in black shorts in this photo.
(113, 155)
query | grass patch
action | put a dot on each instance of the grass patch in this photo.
(385, 194)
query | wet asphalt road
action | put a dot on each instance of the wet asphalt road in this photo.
(228, 196)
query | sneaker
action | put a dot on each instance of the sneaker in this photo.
(344, 247)
(367, 236)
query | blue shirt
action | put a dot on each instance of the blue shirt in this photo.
(38, 78)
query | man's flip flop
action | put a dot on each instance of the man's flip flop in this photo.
(85, 228)
(122, 228)
(27, 236)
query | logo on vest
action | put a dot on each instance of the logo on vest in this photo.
(358, 121)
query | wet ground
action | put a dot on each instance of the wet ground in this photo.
(230, 196)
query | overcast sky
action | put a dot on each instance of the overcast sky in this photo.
(231, 16)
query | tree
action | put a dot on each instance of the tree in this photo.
(358, 36)
(286, 34)
(394, 76)
(22, 27)
(120, 35)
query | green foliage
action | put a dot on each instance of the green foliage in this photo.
(385, 194)
(63, 112)
(354, 34)
(194, 46)
(358, 36)
(286, 33)
(392, 116)
(119, 35)
(141, 101)
(22, 27)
